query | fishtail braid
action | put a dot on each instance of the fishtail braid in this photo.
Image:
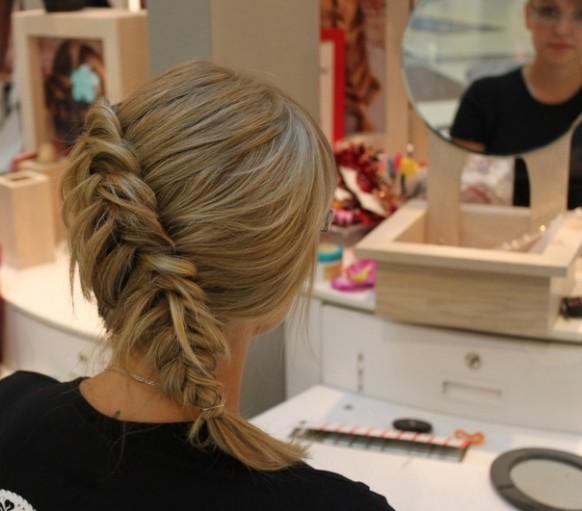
(192, 205)
(117, 232)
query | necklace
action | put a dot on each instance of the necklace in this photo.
(133, 376)
(141, 379)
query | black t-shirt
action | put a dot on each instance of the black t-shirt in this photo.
(500, 113)
(59, 453)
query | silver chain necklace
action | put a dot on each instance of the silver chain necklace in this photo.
(141, 379)
(133, 376)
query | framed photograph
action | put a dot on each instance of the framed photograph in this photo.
(332, 83)
(70, 59)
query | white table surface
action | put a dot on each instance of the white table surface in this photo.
(410, 483)
(43, 292)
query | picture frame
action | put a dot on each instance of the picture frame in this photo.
(332, 83)
(68, 59)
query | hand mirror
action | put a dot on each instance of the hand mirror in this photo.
(539, 479)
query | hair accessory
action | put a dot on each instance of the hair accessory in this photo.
(360, 275)
(210, 408)
(205, 415)
(477, 438)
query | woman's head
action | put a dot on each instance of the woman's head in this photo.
(556, 29)
(192, 205)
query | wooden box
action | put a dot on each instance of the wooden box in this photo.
(54, 172)
(27, 232)
(439, 261)
(113, 43)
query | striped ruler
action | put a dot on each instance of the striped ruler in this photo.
(378, 439)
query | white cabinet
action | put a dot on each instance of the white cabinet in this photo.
(509, 380)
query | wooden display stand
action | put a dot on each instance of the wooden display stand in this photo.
(27, 233)
(54, 172)
(124, 38)
(437, 262)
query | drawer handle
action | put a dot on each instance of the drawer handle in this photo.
(473, 360)
(82, 357)
(472, 393)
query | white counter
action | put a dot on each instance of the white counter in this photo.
(409, 482)
(43, 293)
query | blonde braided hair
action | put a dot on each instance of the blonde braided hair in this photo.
(193, 204)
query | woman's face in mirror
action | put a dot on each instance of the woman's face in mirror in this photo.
(556, 29)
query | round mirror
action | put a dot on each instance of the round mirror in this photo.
(539, 479)
(501, 77)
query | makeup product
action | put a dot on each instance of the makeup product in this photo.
(414, 425)
(329, 261)
(571, 307)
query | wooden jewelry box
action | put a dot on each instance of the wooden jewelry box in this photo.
(439, 261)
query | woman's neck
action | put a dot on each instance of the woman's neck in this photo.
(553, 83)
(116, 394)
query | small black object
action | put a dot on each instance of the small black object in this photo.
(63, 5)
(412, 425)
(571, 307)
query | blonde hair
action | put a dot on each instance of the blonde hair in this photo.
(193, 204)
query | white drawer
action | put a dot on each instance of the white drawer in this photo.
(503, 379)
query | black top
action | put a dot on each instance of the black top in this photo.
(59, 453)
(500, 113)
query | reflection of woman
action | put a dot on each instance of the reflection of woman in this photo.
(194, 210)
(76, 66)
(531, 106)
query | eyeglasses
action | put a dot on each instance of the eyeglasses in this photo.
(326, 224)
(551, 16)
